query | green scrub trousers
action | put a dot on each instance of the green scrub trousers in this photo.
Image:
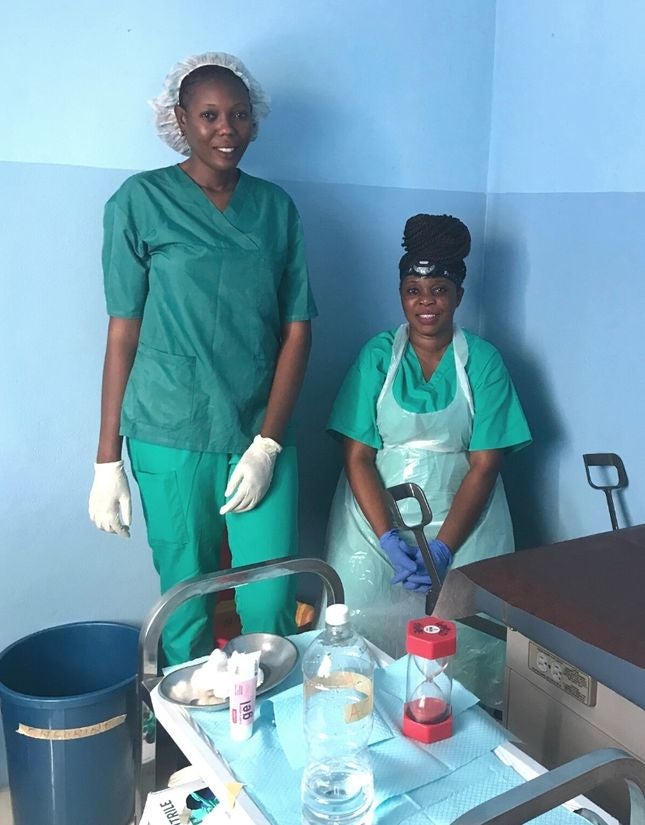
(181, 493)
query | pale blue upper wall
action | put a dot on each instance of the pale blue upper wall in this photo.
(364, 92)
(564, 299)
(564, 279)
(568, 108)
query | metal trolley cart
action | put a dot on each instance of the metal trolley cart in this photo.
(519, 805)
(149, 678)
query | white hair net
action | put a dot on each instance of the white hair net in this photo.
(164, 104)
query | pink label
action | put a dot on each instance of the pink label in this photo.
(242, 703)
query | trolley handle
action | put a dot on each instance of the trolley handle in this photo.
(156, 619)
(555, 787)
(215, 582)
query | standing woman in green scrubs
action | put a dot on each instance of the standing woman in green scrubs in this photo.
(209, 334)
(432, 404)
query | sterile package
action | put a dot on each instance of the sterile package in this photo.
(169, 807)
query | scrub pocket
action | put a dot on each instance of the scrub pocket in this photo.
(162, 508)
(160, 389)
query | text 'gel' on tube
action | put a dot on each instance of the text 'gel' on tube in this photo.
(243, 668)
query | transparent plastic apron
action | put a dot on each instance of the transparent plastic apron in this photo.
(431, 450)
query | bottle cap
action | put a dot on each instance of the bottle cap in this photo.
(337, 614)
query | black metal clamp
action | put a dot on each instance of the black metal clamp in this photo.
(407, 490)
(400, 492)
(607, 460)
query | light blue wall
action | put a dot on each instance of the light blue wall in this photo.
(380, 112)
(564, 271)
(364, 92)
(567, 107)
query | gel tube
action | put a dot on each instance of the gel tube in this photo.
(243, 670)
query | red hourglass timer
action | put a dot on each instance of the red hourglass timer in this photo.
(427, 713)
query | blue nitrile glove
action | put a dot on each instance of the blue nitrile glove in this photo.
(400, 554)
(441, 556)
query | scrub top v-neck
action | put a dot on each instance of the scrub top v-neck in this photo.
(213, 289)
(229, 209)
(232, 212)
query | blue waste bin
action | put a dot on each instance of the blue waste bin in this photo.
(68, 702)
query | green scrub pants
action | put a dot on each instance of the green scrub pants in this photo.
(181, 492)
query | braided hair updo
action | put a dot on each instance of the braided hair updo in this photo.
(435, 246)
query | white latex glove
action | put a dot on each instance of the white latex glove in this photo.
(110, 503)
(251, 478)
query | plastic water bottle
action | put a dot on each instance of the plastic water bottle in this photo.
(337, 783)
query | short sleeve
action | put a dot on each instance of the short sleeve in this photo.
(125, 264)
(354, 412)
(499, 421)
(294, 295)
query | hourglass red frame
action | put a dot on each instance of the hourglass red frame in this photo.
(429, 638)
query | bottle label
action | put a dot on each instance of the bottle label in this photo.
(353, 711)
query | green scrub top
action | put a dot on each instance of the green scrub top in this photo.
(213, 290)
(498, 421)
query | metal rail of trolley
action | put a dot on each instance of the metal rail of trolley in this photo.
(555, 787)
(153, 625)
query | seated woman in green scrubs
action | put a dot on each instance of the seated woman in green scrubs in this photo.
(209, 333)
(433, 404)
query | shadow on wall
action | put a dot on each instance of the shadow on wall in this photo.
(531, 476)
(338, 334)
(355, 284)
(335, 343)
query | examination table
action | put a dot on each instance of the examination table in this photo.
(575, 662)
